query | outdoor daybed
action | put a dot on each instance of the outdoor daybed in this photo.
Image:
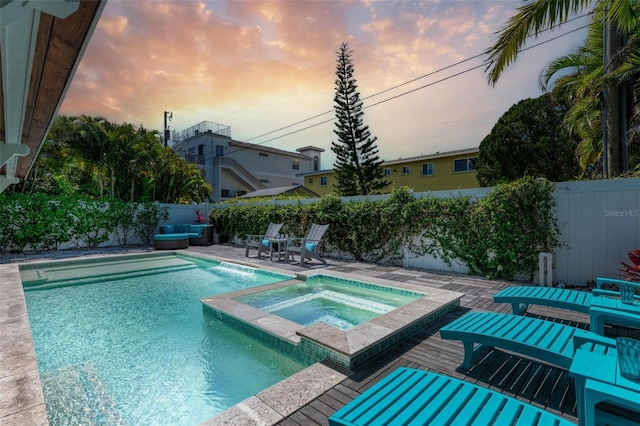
(182, 236)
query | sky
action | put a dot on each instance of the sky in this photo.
(267, 69)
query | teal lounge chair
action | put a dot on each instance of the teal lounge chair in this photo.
(416, 397)
(261, 242)
(307, 248)
(548, 341)
(521, 297)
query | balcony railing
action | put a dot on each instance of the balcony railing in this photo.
(204, 127)
(194, 158)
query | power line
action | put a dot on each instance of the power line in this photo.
(404, 93)
(409, 91)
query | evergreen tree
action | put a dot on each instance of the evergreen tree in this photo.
(357, 165)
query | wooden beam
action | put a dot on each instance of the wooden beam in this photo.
(60, 44)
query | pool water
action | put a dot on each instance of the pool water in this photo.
(140, 349)
(340, 303)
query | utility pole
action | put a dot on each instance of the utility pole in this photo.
(168, 116)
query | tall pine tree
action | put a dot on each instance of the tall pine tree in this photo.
(357, 165)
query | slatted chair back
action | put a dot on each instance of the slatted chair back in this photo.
(316, 232)
(273, 229)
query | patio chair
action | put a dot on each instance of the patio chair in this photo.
(521, 297)
(307, 247)
(261, 242)
(410, 396)
(548, 341)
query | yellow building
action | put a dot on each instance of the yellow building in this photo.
(436, 172)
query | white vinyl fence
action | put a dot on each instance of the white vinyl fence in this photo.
(600, 224)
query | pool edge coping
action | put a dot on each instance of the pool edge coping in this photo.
(21, 395)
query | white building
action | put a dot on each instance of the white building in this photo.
(235, 168)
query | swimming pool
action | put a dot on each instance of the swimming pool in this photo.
(340, 303)
(118, 343)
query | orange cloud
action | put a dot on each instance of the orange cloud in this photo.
(262, 65)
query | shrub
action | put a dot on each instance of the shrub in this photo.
(499, 236)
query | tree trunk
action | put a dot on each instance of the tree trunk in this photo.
(614, 41)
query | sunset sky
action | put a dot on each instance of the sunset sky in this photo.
(267, 68)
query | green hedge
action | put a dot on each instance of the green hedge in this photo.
(498, 236)
(44, 222)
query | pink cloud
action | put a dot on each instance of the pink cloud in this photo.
(261, 65)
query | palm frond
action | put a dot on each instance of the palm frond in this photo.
(531, 19)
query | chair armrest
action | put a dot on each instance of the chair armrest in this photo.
(600, 281)
(602, 292)
(582, 337)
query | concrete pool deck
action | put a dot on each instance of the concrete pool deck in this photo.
(21, 396)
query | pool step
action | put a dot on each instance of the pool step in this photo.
(99, 273)
(334, 296)
(75, 395)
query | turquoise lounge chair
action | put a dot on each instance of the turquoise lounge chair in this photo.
(547, 341)
(416, 397)
(521, 297)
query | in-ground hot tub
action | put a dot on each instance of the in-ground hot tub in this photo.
(340, 303)
(333, 317)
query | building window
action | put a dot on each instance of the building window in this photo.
(387, 172)
(295, 165)
(225, 193)
(427, 169)
(310, 181)
(406, 170)
(264, 180)
(464, 164)
(263, 154)
(200, 149)
(219, 150)
(323, 181)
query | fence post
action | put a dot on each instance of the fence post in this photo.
(545, 270)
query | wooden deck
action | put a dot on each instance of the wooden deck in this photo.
(511, 374)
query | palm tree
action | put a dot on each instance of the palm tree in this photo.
(120, 150)
(619, 17)
(580, 83)
(90, 142)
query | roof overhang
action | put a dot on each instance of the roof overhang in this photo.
(41, 44)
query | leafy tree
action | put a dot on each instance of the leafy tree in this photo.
(83, 154)
(357, 165)
(621, 20)
(528, 140)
